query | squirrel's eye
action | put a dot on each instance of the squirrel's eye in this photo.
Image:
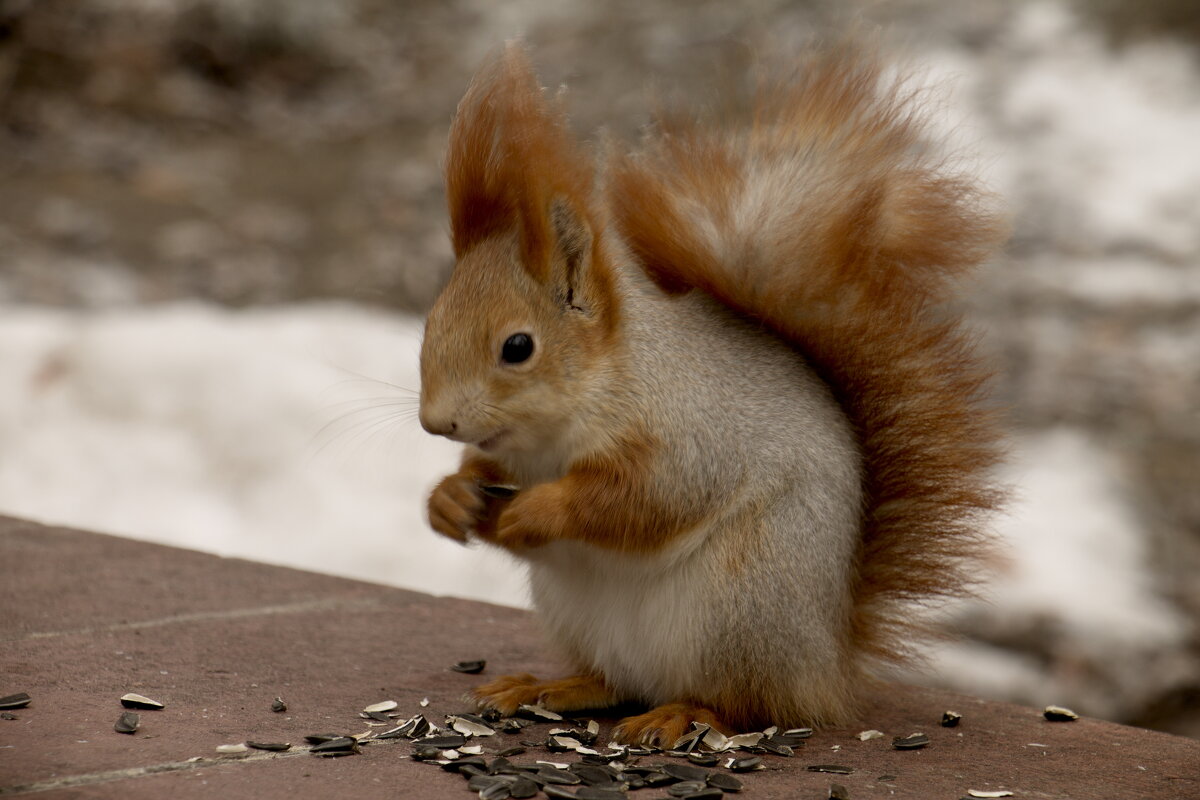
(517, 348)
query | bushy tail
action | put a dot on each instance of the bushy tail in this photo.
(821, 213)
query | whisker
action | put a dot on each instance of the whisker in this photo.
(352, 426)
(360, 378)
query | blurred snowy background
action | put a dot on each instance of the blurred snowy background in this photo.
(220, 220)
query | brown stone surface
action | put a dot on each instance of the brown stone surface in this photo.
(85, 618)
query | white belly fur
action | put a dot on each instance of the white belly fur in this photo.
(634, 618)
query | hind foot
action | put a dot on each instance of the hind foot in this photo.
(509, 692)
(662, 726)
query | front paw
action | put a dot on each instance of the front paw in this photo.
(457, 507)
(534, 518)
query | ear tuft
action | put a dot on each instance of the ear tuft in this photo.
(511, 159)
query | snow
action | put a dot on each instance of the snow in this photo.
(1072, 565)
(1074, 547)
(1111, 136)
(288, 435)
(282, 435)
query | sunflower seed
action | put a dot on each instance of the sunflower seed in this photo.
(413, 728)
(745, 740)
(480, 719)
(684, 788)
(522, 788)
(563, 744)
(774, 748)
(132, 700)
(913, 742)
(8, 716)
(802, 733)
(502, 766)
(659, 778)
(594, 775)
(485, 780)
(725, 782)
(600, 759)
(703, 759)
(950, 719)
(558, 777)
(537, 712)
(558, 792)
(745, 764)
(274, 747)
(378, 716)
(478, 783)
(127, 723)
(277, 705)
(514, 724)
(979, 793)
(500, 790)
(511, 751)
(838, 792)
(320, 738)
(684, 772)
(691, 740)
(707, 793)
(832, 769)
(715, 740)
(1059, 714)
(232, 749)
(470, 725)
(786, 740)
(470, 667)
(380, 707)
(342, 745)
(469, 767)
(18, 700)
(443, 741)
(597, 793)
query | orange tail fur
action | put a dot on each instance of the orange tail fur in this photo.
(823, 215)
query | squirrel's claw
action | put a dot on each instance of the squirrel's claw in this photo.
(664, 725)
(506, 694)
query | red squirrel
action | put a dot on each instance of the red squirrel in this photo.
(710, 393)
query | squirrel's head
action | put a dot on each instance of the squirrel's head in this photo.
(514, 341)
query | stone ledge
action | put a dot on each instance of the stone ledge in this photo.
(88, 617)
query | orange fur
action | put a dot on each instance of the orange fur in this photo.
(664, 725)
(871, 235)
(457, 506)
(509, 692)
(510, 157)
(605, 500)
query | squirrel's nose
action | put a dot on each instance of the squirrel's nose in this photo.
(437, 425)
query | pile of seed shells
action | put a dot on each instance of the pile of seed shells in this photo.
(704, 765)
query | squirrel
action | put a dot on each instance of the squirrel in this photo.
(710, 392)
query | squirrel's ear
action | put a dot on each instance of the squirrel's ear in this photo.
(571, 262)
(511, 157)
